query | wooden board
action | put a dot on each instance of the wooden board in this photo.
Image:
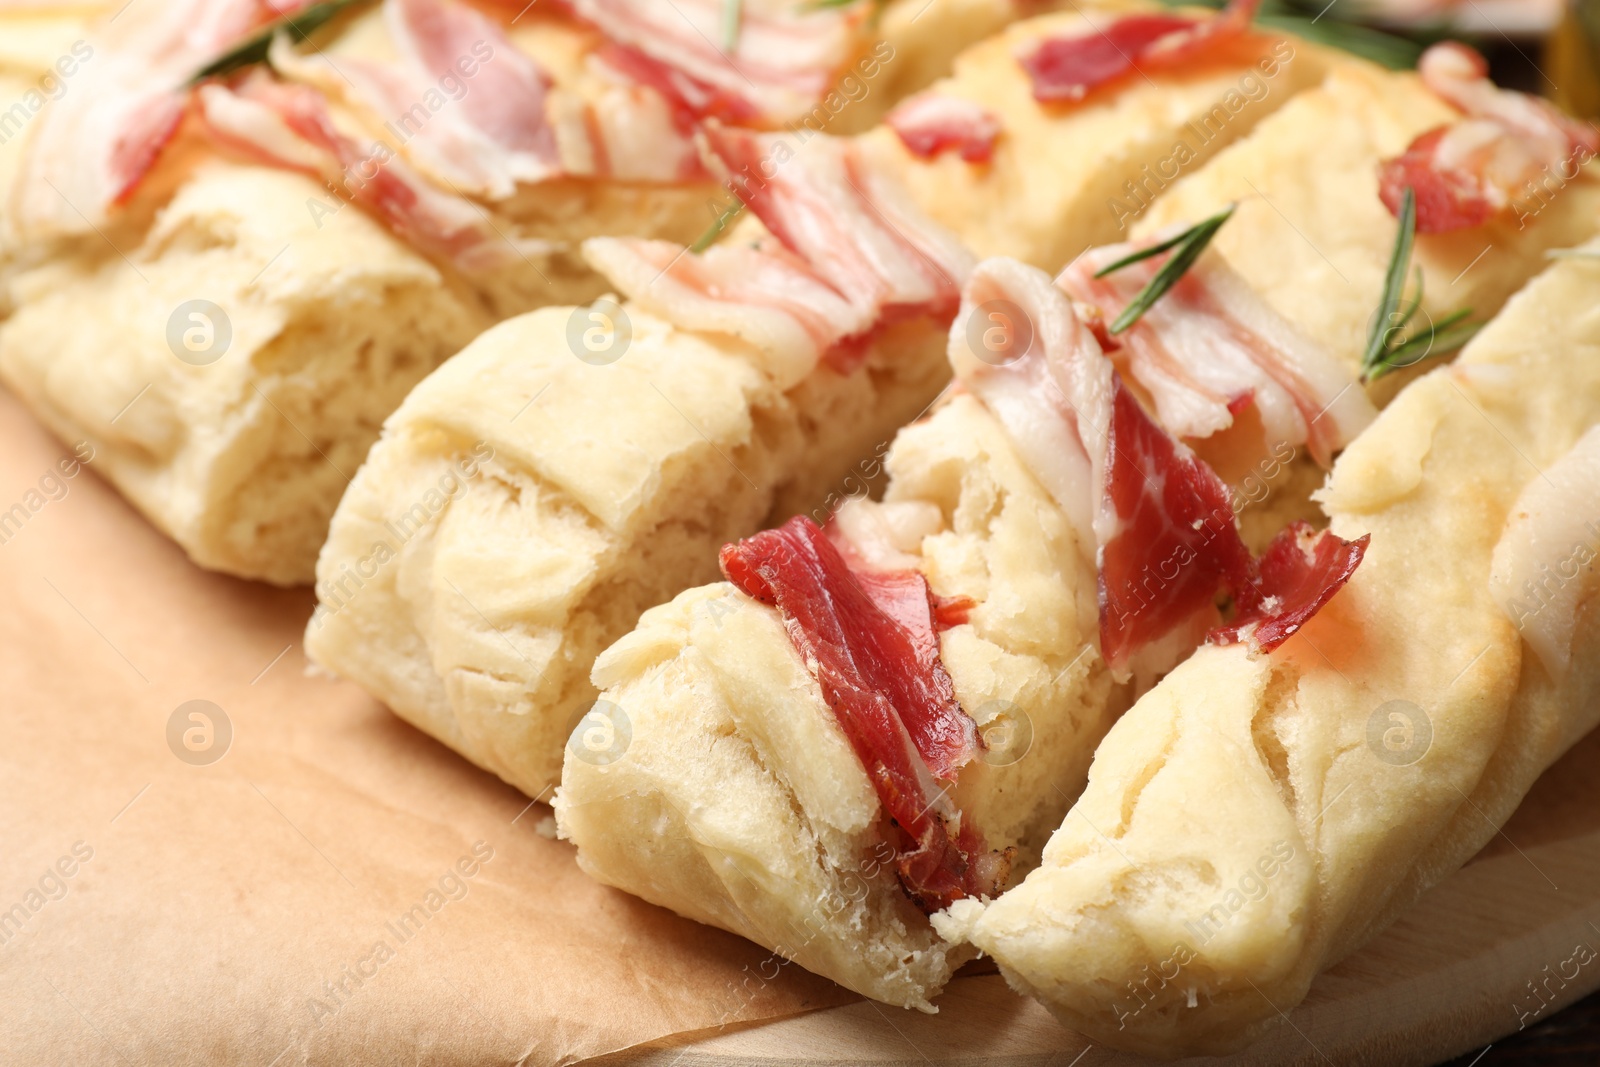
(1453, 975)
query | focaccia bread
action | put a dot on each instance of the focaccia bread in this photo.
(735, 798)
(524, 508)
(1084, 545)
(321, 303)
(1311, 234)
(1264, 815)
(1066, 175)
(593, 460)
(320, 332)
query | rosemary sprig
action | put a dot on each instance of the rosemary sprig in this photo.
(253, 49)
(1389, 346)
(703, 242)
(1185, 247)
(1314, 22)
(732, 18)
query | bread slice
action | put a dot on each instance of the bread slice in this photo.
(243, 462)
(1311, 235)
(1065, 177)
(729, 792)
(1255, 818)
(535, 505)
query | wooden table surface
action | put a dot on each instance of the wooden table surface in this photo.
(1570, 1038)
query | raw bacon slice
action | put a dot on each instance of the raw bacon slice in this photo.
(1069, 68)
(1211, 346)
(786, 57)
(506, 101)
(289, 126)
(767, 297)
(1300, 571)
(95, 146)
(1466, 173)
(843, 218)
(929, 124)
(845, 259)
(1166, 539)
(870, 640)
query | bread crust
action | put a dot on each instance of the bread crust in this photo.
(737, 800)
(1132, 937)
(524, 507)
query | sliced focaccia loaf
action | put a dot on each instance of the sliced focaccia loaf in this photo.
(1341, 775)
(910, 690)
(1314, 227)
(575, 466)
(1022, 155)
(733, 796)
(277, 254)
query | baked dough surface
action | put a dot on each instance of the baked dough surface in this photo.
(1255, 818)
(524, 507)
(1067, 177)
(737, 800)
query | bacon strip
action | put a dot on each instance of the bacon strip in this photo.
(871, 642)
(289, 126)
(95, 146)
(1069, 68)
(1465, 173)
(1166, 539)
(785, 60)
(1212, 346)
(484, 140)
(767, 297)
(847, 221)
(846, 259)
(929, 124)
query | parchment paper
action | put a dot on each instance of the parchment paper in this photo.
(335, 888)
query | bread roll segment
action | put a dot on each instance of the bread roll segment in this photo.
(737, 800)
(1311, 235)
(1370, 756)
(525, 506)
(1068, 176)
(241, 459)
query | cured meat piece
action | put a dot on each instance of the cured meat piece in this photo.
(493, 136)
(289, 126)
(846, 220)
(930, 124)
(767, 297)
(1176, 545)
(785, 59)
(1300, 571)
(871, 641)
(1069, 68)
(95, 146)
(845, 260)
(1212, 346)
(1166, 539)
(1466, 173)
